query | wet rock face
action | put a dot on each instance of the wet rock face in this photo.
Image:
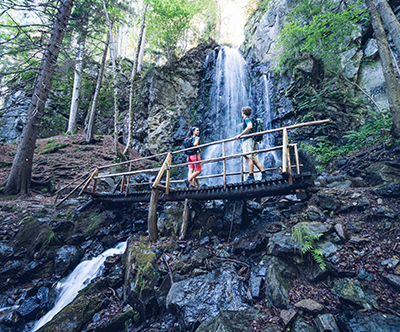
(164, 108)
(234, 321)
(206, 296)
(377, 322)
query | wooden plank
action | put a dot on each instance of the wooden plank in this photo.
(152, 217)
(185, 219)
(161, 172)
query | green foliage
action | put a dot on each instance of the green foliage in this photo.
(303, 238)
(320, 28)
(170, 20)
(369, 134)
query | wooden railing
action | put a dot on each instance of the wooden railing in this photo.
(167, 166)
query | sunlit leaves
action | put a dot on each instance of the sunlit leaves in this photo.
(320, 28)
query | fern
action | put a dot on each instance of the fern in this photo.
(306, 241)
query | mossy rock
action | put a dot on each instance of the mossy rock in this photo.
(53, 147)
(35, 236)
(141, 278)
(78, 313)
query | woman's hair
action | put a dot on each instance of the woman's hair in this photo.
(190, 132)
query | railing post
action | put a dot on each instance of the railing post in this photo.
(127, 180)
(152, 217)
(161, 172)
(241, 168)
(284, 150)
(185, 220)
(168, 173)
(123, 183)
(224, 162)
(289, 166)
(95, 173)
(296, 154)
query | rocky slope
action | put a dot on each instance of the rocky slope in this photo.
(238, 269)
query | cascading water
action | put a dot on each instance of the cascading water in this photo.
(269, 158)
(83, 274)
(230, 91)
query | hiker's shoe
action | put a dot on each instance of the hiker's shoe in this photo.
(249, 179)
(187, 183)
(264, 175)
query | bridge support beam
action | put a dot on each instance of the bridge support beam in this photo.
(185, 219)
(152, 218)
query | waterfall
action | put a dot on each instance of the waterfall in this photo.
(229, 93)
(231, 90)
(83, 274)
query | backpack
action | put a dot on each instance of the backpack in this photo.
(188, 143)
(258, 127)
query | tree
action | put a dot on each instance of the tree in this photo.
(89, 131)
(392, 87)
(76, 91)
(390, 21)
(19, 179)
(114, 73)
(169, 20)
(135, 66)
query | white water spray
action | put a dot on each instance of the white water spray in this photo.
(269, 158)
(83, 274)
(228, 95)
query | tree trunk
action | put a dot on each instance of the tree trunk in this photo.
(19, 179)
(139, 66)
(76, 91)
(114, 73)
(390, 21)
(132, 88)
(89, 132)
(387, 68)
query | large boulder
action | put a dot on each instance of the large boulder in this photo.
(205, 296)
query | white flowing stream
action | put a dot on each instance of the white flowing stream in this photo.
(230, 91)
(83, 274)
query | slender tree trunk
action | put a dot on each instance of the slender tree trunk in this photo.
(387, 68)
(89, 132)
(390, 21)
(139, 66)
(132, 79)
(76, 91)
(19, 179)
(114, 73)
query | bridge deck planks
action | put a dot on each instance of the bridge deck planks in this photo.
(233, 191)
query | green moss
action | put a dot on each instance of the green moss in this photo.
(4, 164)
(36, 236)
(53, 146)
(89, 222)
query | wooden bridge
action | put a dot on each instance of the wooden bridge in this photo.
(163, 188)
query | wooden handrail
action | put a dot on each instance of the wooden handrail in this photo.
(305, 124)
(286, 166)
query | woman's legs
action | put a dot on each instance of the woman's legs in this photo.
(196, 170)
